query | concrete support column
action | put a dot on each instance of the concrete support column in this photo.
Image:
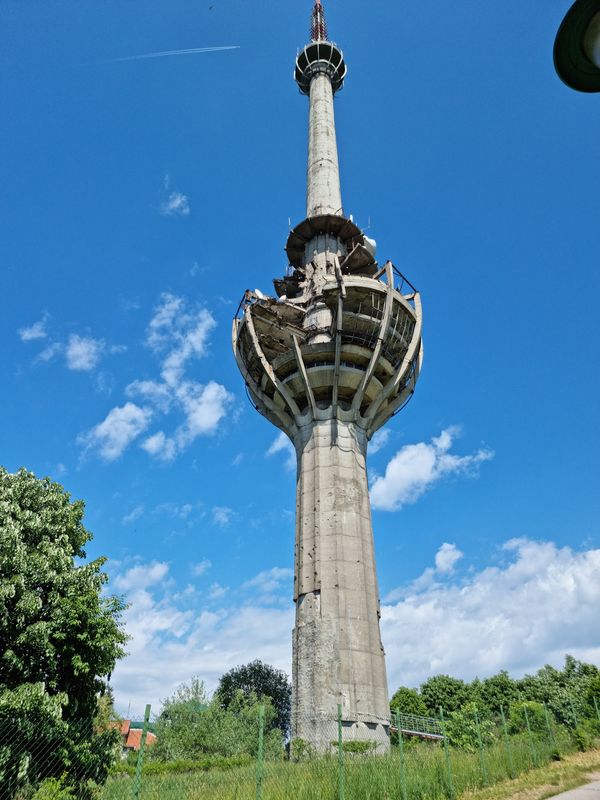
(337, 652)
(323, 194)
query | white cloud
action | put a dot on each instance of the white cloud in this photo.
(538, 603)
(237, 460)
(177, 634)
(201, 567)
(222, 515)
(217, 591)
(142, 577)
(35, 331)
(83, 353)
(122, 425)
(379, 440)
(518, 616)
(154, 392)
(160, 446)
(270, 580)
(205, 407)
(177, 334)
(172, 509)
(283, 444)
(446, 558)
(416, 467)
(133, 515)
(176, 204)
(48, 353)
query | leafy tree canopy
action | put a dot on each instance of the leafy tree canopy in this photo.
(465, 728)
(408, 701)
(263, 681)
(60, 635)
(191, 726)
(442, 690)
(564, 691)
(494, 693)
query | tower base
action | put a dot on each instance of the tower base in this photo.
(338, 658)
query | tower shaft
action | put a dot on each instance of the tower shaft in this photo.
(338, 657)
(323, 193)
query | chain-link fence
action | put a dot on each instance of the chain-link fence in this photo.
(206, 756)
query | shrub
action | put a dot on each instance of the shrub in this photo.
(301, 750)
(462, 731)
(525, 711)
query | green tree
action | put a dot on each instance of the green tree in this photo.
(263, 681)
(61, 636)
(408, 701)
(593, 693)
(492, 694)
(527, 711)
(191, 726)
(565, 691)
(462, 729)
(442, 690)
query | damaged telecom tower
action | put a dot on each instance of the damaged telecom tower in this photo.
(329, 361)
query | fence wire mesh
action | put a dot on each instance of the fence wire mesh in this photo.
(202, 755)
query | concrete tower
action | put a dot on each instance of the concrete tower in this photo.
(329, 361)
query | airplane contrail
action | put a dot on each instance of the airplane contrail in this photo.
(166, 53)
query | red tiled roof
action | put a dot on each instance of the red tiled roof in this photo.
(122, 726)
(134, 738)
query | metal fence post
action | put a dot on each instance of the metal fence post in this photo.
(403, 788)
(260, 757)
(511, 770)
(447, 756)
(484, 772)
(550, 729)
(596, 707)
(137, 779)
(530, 736)
(575, 719)
(341, 776)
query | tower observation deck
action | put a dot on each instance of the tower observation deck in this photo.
(329, 360)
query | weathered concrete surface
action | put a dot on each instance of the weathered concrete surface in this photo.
(329, 362)
(338, 657)
(323, 195)
(590, 791)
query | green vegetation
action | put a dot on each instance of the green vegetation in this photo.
(263, 682)
(191, 726)
(60, 636)
(371, 777)
(58, 739)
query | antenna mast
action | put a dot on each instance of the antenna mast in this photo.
(318, 26)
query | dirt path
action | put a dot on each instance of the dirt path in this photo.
(589, 791)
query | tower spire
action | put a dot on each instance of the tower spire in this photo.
(318, 26)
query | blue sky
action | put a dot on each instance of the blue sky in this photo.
(141, 198)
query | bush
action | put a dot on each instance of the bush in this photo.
(461, 729)
(301, 750)
(442, 690)
(199, 765)
(355, 747)
(191, 727)
(525, 711)
(408, 701)
(582, 739)
(53, 789)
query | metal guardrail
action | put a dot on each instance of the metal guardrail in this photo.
(423, 727)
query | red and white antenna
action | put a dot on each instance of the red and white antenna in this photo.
(318, 26)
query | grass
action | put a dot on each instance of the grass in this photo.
(547, 781)
(535, 776)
